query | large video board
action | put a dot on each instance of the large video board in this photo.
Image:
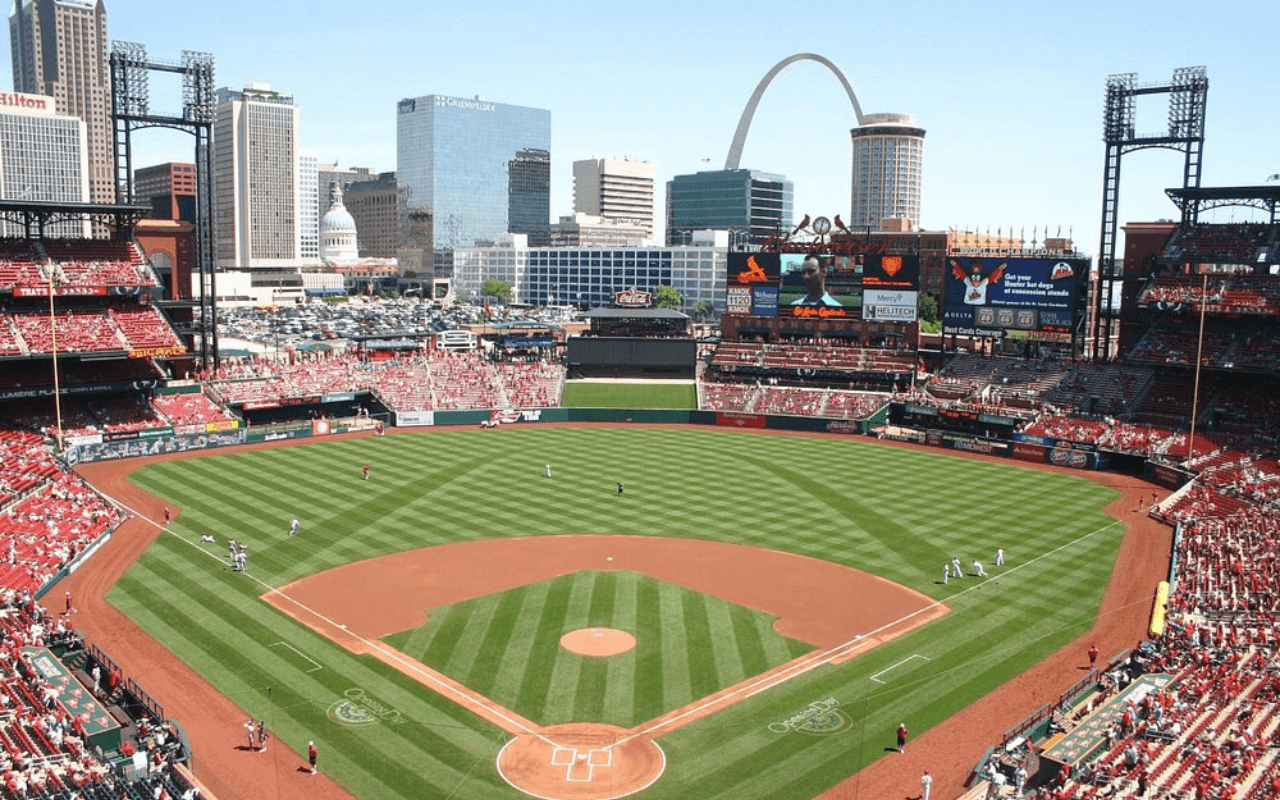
(1028, 298)
(821, 286)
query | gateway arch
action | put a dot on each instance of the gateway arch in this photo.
(744, 124)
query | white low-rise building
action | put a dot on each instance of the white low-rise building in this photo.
(590, 276)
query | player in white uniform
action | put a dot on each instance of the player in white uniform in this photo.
(955, 567)
(999, 556)
(548, 470)
(977, 567)
(293, 526)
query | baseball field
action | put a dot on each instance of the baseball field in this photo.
(773, 588)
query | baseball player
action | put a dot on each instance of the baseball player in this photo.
(999, 556)
(293, 526)
(977, 567)
(946, 572)
(366, 472)
(548, 470)
(955, 567)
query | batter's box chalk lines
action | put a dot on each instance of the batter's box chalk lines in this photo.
(580, 765)
(876, 677)
(316, 666)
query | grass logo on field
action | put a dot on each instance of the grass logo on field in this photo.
(819, 718)
(357, 708)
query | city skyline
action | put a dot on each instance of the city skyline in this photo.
(1012, 102)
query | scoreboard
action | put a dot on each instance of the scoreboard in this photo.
(1040, 299)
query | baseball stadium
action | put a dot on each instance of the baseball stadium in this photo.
(821, 553)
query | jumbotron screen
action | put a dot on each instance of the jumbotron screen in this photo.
(821, 286)
(1027, 298)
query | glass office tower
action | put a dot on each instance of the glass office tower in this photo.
(751, 204)
(478, 169)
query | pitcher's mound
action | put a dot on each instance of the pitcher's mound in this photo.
(597, 641)
(581, 761)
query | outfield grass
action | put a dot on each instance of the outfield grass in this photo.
(643, 394)
(895, 512)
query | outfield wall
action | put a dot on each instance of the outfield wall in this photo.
(1017, 446)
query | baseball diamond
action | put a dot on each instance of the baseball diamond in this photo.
(471, 508)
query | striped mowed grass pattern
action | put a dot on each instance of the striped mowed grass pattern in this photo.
(688, 646)
(638, 394)
(893, 512)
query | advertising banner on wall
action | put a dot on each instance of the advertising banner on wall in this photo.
(751, 284)
(883, 305)
(882, 271)
(1029, 298)
(415, 418)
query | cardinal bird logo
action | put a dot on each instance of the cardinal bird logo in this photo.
(891, 265)
(754, 273)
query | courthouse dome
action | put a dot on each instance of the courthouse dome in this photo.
(338, 231)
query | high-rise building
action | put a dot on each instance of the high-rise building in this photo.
(750, 204)
(43, 156)
(59, 49)
(888, 151)
(309, 194)
(475, 168)
(620, 190)
(170, 190)
(256, 192)
(378, 207)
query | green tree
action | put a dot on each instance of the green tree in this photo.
(498, 289)
(702, 308)
(667, 297)
(928, 307)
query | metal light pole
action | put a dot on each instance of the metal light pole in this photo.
(1195, 394)
(53, 335)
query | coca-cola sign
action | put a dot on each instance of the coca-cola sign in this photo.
(633, 298)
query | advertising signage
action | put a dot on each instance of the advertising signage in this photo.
(883, 305)
(821, 286)
(882, 271)
(751, 286)
(1030, 298)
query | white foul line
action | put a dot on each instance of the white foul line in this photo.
(318, 666)
(876, 677)
(394, 655)
(746, 689)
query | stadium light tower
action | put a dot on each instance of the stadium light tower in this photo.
(53, 337)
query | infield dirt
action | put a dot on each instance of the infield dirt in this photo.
(948, 750)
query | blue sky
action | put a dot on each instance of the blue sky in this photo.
(1010, 93)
